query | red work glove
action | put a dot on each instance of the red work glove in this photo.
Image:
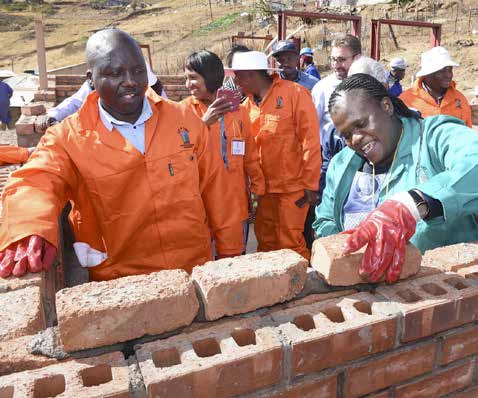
(32, 253)
(386, 230)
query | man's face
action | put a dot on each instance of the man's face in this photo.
(121, 79)
(341, 58)
(287, 61)
(398, 73)
(440, 80)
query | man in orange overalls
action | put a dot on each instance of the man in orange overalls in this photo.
(137, 169)
(285, 127)
(434, 92)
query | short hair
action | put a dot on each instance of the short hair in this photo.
(209, 66)
(236, 48)
(370, 67)
(348, 41)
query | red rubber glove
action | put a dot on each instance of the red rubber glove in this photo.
(32, 254)
(386, 230)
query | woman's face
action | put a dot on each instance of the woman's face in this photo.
(196, 84)
(367, 125)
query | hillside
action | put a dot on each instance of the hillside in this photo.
(173, 28)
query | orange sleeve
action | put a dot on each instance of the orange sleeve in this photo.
(10, 154)
(307, 131)
(36, 193)
(467, 113)
(252, 164)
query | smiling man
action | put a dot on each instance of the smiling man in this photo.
(434, 92)
(137, 169)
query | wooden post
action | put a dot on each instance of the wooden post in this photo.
(41, 54)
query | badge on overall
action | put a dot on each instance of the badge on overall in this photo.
(238, 147)
(184, 133)
(279, 103)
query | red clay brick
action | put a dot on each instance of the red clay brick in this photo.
(25, 125)
(384, 394)
(460, 345)
(21, 313)
(439, 384)
(33, 109)
(102, 313)
(391, 369)
(433, 304)
(332, 332)
(235, 358)
(453, 257)
(14, 356)
(340, 270)
(469, 272)
(245, 283)
(324, 387)
(469, 393)
(94, 377)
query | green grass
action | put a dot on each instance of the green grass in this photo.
(220, 23)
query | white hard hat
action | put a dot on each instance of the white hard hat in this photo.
(399, 63)
(250, 60)
(434, 60)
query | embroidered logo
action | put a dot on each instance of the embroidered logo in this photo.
(458, 103)
(184, 133)
(279, 103)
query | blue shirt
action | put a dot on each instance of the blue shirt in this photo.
(5, 94)
(305, 80)
(312, 71)
(396, 88)
(134, 133)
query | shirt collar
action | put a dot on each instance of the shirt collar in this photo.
(109, 121)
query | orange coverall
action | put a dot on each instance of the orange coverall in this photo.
(286, 130)
(453, 103)
(10, 154)
(235, 198)
(147, 212)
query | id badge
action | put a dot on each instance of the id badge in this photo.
(238, 147)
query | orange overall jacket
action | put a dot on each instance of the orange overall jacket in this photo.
(238, 127)
(453, 103)
(10, 154)
(147, 212)
(286, 131)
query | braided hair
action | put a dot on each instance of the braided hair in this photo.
(373, 89)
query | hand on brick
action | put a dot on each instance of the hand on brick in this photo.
(32, 254)
(385, 231)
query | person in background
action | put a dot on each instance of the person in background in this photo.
(287, 57)
(398, 67)
(370, 67)
(285, 127)
(231, 138)
(434, 92)
(71, 104)
(307, 62)
(345, 50)
(6, 93)
(400, 178)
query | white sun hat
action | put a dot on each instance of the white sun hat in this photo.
(433, 60)
(399, 63)
(250, 60)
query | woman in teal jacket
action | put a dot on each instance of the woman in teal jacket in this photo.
(401, 178)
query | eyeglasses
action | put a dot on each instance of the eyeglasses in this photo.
(340, 60)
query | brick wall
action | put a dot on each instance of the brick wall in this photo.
(417, 338)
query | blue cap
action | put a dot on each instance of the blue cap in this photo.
(283, 46)
(306, 51)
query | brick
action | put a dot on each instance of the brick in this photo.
(329, 333)
(21, 313)
(433, 304)
(33, 109)
(44, 95)
(340, 270)
(245, 283)
(390, 369)
(469, 272)
(469, 393)
(15, 357)
(453, 257)
(439, 384)
(94, 377)
(384, 394)
(234, 358)
(316, 388)
(29, 279)
(460, 345)
(102, 313)
(28, 141)
(25, 125)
